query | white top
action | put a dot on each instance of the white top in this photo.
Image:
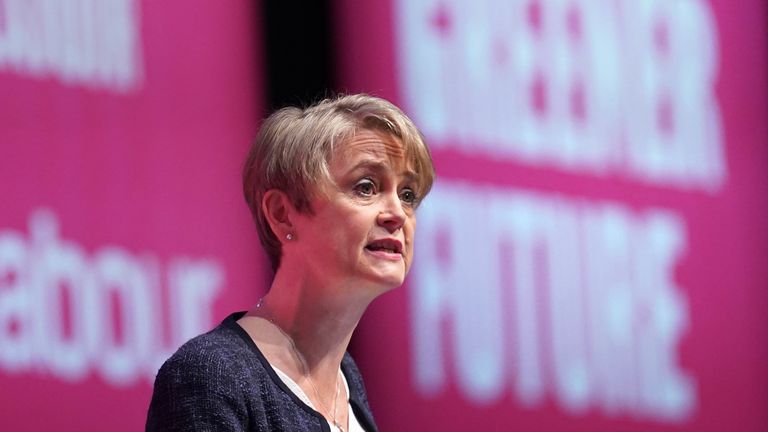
(354, 425)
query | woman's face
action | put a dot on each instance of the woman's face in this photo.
(361, 230)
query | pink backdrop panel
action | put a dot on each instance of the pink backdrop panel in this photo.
(593, 255)
(123, 231)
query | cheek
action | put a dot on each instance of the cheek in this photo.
(411, 224)
(410, 232)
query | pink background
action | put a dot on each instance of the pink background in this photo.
(723, 273)
(153, 171)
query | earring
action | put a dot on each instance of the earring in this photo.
(289, 236)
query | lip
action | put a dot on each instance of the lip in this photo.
(387, 248)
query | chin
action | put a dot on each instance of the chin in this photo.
(385, 283)
(383, 278)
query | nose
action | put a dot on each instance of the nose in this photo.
(392, 215)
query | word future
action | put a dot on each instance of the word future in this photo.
(550, 296)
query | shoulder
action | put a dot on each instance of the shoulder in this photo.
(219, 355)
(209, 378)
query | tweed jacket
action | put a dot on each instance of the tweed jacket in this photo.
(220, 381)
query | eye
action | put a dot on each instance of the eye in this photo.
(365, 187)
(408, 196)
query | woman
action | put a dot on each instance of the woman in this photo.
(333, 190)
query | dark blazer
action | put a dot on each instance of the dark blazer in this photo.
(220, 381)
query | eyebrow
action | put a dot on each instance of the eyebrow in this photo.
(381, 167)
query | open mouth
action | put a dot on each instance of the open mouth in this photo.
(386, 245)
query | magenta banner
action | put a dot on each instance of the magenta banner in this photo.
(123, 231)
(593, 255)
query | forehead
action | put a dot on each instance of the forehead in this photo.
(371, 145)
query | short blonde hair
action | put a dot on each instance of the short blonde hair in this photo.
(294, 146)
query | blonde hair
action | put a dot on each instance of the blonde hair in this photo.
(294, 146)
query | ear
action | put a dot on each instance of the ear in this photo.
(277, 208)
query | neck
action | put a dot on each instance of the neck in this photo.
(319, 318)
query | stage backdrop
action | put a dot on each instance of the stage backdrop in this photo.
(594, 254)
(123, 231)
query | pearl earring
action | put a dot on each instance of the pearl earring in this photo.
(289, 236)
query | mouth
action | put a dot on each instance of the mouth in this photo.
(387, 245)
